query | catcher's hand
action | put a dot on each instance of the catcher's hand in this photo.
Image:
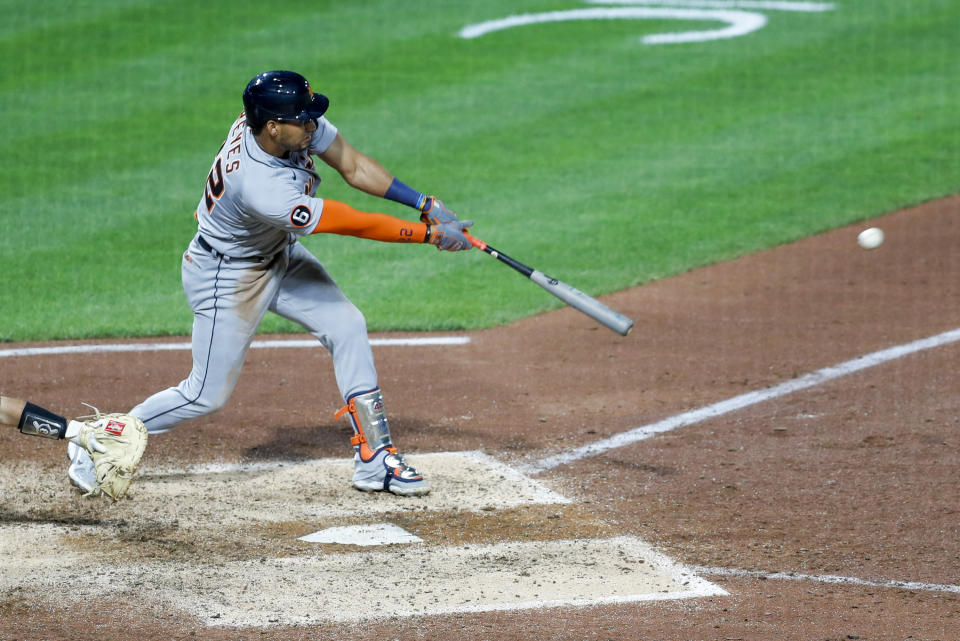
(116, 443)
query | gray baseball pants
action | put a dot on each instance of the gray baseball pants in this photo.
(229, 298)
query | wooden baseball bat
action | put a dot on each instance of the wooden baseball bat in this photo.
(570, 295)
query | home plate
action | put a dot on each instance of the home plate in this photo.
(378, 534)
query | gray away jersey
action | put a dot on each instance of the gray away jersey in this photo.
(255, 204)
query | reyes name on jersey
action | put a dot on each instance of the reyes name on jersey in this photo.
(255, 204)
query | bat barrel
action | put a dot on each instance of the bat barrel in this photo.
(570, 295)
(590, 306)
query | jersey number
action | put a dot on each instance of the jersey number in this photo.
(214, 188)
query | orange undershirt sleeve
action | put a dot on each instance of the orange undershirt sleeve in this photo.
(340, 218)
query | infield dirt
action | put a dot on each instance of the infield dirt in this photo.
(859, 477)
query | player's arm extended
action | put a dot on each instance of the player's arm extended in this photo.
(340, 218)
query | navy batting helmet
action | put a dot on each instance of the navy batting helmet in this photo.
(281, 96)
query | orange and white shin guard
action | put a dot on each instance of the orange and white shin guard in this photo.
(370, 428)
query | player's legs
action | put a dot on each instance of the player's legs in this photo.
(229, 299)
(309, 296)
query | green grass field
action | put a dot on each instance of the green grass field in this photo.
(575, 147)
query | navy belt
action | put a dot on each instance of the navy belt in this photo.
(210, 250)
(213, 252)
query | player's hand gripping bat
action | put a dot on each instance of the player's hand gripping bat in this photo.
(570, 295)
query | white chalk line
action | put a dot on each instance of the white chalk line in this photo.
(804, 7)
(696, 593)
(739, 22)
(538, 492)
(264, 344)
(826, 578)
(742, 401)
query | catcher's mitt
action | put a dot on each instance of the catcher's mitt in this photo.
(115, 443)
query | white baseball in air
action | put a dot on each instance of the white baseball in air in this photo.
(870, 238)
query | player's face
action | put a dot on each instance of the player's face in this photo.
(296, 136)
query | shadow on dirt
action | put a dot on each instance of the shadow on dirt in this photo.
(298, 443)
(55, 518)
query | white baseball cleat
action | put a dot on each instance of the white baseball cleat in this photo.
(81, 471)
(385, 471)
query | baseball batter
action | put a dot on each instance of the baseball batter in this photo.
(259, 198)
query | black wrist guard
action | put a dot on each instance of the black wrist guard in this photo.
(40, 422)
